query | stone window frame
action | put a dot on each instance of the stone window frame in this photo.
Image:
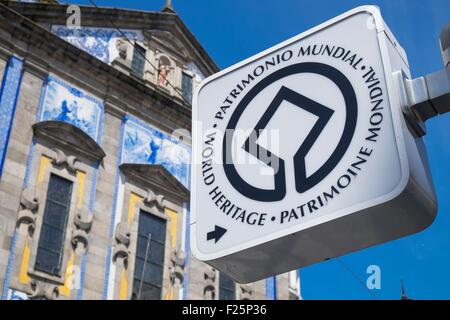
(42, 196)
(61, 153)
(155, 183)
(134, 225)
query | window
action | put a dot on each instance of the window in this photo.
(149, 266)
(138, 62)
(51, 240)
(227, 287)
(186, 87)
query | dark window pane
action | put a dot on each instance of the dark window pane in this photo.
(186, 87)
(226, 294)
(59, 189)
(152, 273)
(138, 266)
(148, 292)
(48, 262)
(148, 269)
(227, 287)
(54, 216)
(156, 254)
(141, 247)
(51, 240)
(150, 224)
(138, 62)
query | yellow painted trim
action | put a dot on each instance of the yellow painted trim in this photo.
(23, 273)
(173, 240)
(81, 179)
(123, 286)
(173, 226)
(169, 295)
(65, 289)
(134, 199)
(45, 161)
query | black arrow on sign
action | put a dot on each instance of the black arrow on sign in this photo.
(216, 234)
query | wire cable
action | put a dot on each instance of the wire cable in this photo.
(142, 54)
(178, 91)
(354, 275)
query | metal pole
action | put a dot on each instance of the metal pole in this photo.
(143, 267)
(428, 96)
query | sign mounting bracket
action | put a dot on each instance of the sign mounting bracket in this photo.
(427, 96)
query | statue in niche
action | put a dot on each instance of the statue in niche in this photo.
(163, 71)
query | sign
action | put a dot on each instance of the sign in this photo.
(301, 153)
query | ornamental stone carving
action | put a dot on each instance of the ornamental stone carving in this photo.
(79, 241)
(209, 290)
(246, 291)
(122, 236)
(177, 260)
(153, 199)
(27, 212)
(83, 223)
(122, 47)
(43, 290)
(62, 159)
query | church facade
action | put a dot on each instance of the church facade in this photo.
(95, 152)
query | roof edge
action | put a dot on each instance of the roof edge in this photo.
(45, 13)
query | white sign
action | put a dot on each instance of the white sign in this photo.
(301, 153)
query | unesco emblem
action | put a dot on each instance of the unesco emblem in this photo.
(326, 106)
(302, 153)
(323, 114)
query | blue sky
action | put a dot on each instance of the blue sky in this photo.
(232, 30)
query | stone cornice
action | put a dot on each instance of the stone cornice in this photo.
(5, 53)
(156, 178)
(36, 69)
(74, 138)
(55, 14)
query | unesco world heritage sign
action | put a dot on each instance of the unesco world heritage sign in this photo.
(302, 153)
